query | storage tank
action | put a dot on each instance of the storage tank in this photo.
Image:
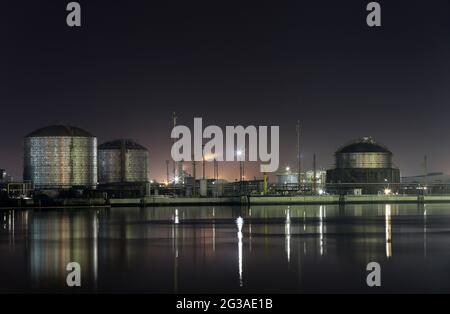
(122, 160)
(287, 177)
(60, 156)
(363, 164)
(363, 153)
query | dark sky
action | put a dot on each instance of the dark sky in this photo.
(132, 63)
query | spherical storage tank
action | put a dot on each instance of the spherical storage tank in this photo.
(122, 161)
(60, 156)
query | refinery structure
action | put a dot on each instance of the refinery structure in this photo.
(64, 162)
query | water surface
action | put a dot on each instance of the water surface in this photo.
(269, 249)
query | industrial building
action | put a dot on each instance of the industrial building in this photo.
(363, 166)
(123, 168)
(10, 189)
(59, 157)
(287, 180)
(431, 183)
(204, 187)
(432, 178)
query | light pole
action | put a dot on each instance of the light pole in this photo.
(194, 175)
(239, 155)
(203, 162)
(299, 166)
(167, 171)
(216, 169)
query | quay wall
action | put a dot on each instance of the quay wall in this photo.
(239, 201)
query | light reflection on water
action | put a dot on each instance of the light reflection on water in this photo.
(309, 248)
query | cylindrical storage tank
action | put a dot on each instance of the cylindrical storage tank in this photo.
(363, 153)
(287, 178)
(60, 156)
(363, 165)
(122, 161)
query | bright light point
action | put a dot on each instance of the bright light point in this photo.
(240, 223)
(239, 153)
(387, 191)
(287, 168)
(210, 157)
(176, 179)
(320, 191)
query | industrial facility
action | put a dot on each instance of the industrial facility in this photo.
(63, 165)
(363, 167)
(60, 156)
(123, 168)
(312, 181)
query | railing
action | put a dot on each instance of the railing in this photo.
(364, 188)
(257, 188)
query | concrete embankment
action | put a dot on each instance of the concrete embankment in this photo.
(280, 200)
(239, 201)
(55, 203)
(348, 199)
(174, 201)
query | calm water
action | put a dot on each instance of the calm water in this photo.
(286, 249)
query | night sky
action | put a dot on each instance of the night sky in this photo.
(132, 63)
